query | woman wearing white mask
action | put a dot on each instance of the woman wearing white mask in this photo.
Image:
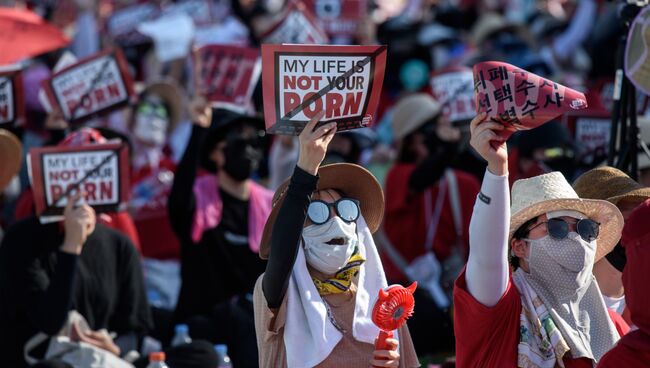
(548, 312)
(314, 303)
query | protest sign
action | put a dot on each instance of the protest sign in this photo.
(90, 87)
(300, 80)
(12, 108)
(227, 74)
(519, 99)
(199, 10)
(453, 89)
(123, 24)
(591, 130)
(295, 25)
(338, 17)
(100, 170)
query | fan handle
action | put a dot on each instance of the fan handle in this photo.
(381, 344)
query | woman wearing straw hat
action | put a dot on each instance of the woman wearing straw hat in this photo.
(548, 312)
(313, 304)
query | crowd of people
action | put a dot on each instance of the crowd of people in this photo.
(528, 252)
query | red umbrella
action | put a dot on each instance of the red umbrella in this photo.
(24, 34)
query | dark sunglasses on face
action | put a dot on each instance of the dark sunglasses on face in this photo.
(559, 228)
(347, 209)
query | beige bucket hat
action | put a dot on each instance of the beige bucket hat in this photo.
(551, 192)
(411, 112)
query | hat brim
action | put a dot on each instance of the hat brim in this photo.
(603, 212)
(636, 195)
(172, 97)
(353, 180)
(11, 155)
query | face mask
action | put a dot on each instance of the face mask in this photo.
(150, 129)
(324, 257)
(242, 159)
(564, 264)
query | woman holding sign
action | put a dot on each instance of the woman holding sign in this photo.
(312, 305)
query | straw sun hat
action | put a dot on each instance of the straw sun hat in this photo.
(10, 157)
(353, 180)
(610, 184)
(551, 192)
(411, 112)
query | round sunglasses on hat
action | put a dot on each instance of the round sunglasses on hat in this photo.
(347, 209)
(558, 228)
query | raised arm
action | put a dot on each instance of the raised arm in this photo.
(487, 266)
(285, 236)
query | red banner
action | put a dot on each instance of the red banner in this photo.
(453, 88)
(12, 107)
(519, 99)
(296, 26)
(301, 80)
(227, 74)
(100, 170)
(91, 87)
(339, 17)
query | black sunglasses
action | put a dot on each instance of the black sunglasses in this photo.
(558, 228)
(347, 209)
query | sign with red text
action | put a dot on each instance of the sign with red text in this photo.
(91, 87)
(227, 74)
(297, 26)
(123, 23)
(339, 17)
(519, 99)
(12, 107)
(453, 88)
(301, 80)
(99, 170)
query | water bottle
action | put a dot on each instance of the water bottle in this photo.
(224, 359)
(182, 335)
(157, 360)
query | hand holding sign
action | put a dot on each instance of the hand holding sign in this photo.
(519, 99)
(79, 222)
(488, 142)
(313, 144)
(200, 112)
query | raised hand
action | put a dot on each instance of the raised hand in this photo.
(201, 112)
(489, 144)
(313, 144)
(79, 222)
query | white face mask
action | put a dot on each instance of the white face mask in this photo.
(151, 129)
(324, 257)
(562, 264)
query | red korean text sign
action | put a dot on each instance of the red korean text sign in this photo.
(519, 99)
(339, 17)
(296, 26)
(12, 107)
(227, 74)
(100, 170)
(93, 86)
(453, 88)
(301, 80)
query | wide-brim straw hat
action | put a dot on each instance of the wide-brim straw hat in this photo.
(171, 96)
(10, 156)
(610, 184)
(353, 180)
(411, 112)
(551, 192)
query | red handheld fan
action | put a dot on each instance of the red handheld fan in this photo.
(393, 307)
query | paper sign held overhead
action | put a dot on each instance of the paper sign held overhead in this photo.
(339, 17)
(297, 26)
(519, 99)
(227, 74)
(301, 80)
(100, 170)
(12, 107)
(90, 87)
(453, 88)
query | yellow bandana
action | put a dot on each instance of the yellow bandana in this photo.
(341, 282)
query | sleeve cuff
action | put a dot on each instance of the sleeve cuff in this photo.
(303, 181)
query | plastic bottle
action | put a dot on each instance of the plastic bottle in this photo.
(182, 335)
(224, 359)
(157, 360)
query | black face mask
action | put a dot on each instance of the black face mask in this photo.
(242, 158)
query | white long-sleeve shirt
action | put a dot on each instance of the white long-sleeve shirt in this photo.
(487, 271)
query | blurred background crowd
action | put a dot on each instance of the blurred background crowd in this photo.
(192, 268)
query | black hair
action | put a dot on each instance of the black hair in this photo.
(521, 233)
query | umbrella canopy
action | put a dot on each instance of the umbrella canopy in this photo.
(24, 34)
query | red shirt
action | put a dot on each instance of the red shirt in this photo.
(630, 352)
(487, 337)
(405, 222)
